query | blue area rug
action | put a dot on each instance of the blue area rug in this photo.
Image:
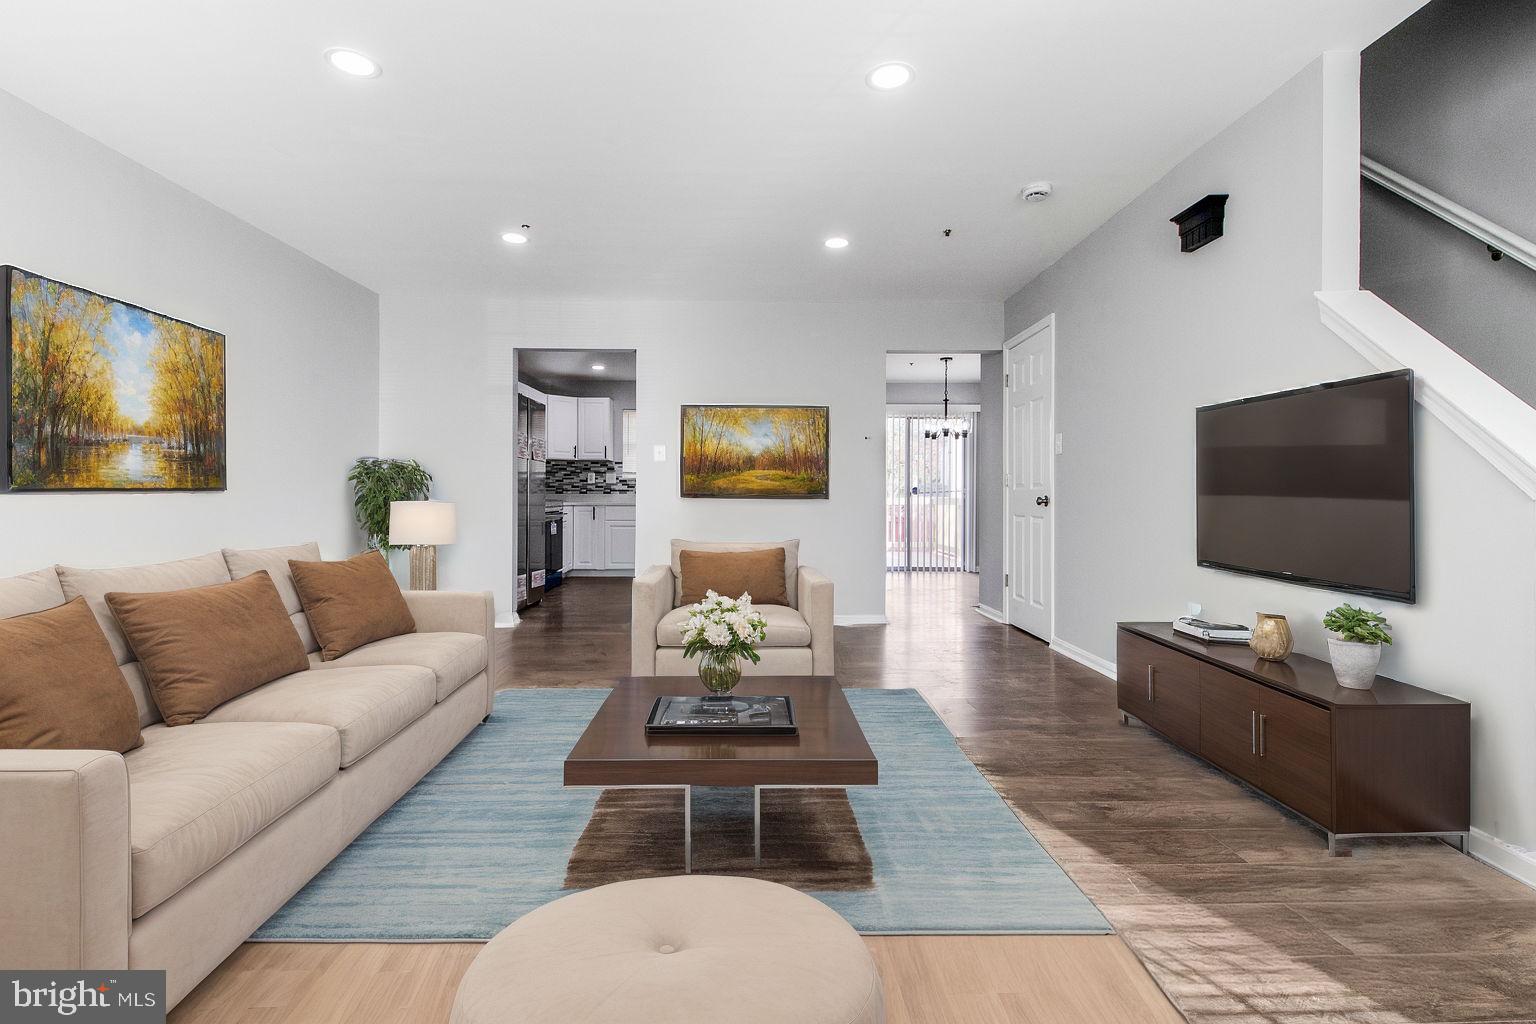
(487, 835)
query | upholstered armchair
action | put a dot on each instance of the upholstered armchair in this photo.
(799, 635)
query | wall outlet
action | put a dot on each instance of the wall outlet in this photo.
(1058, 444)
(659, 453)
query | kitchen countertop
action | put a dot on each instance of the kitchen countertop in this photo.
(557, 500)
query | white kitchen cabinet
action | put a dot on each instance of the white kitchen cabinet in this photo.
(586, 538)
(618, 536)
(562, 431)
(594, 428)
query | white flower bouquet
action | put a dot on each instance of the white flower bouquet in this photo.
(723, 631)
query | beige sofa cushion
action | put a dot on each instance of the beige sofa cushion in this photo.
(199, 792)
(244, 562)
(30, 592)
(784, 627)
(365, 705)
(791, 561)
(777, 661)
(203, 646)
(94, 585)
(454, 658)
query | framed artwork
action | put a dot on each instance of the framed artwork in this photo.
(755, 451)
(103, 395)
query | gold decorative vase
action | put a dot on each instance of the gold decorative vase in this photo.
(1271, 637)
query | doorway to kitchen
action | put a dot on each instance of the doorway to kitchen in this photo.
(576, 468)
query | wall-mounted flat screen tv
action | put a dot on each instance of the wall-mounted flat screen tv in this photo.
(1313, 486)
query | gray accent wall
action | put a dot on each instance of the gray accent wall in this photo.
(1144, 334)
(1448, 98)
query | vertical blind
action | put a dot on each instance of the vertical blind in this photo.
(930, 493)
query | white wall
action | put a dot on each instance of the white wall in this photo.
(301, 353)
(1145, 334)
(447, 398)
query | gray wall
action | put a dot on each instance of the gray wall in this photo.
(1146, 333)
(910, 393)
(990, 519)
(301, 354)
(1448, 98)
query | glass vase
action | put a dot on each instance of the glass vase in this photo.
(719, 671)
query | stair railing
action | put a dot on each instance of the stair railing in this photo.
(1500, 241)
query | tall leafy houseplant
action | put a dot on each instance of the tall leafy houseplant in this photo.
(1355, 646)
(376, 483)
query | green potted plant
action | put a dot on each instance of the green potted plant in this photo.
(1355, 646)
(376, 483)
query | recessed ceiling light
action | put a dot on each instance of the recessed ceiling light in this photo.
(350, 62)
(599, 367)
(836, 242)
(890, 75)
(515, 238)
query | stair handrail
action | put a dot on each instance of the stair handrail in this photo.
(1499, 239)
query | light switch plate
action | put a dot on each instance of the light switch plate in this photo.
(1058, 444)
(659, 453)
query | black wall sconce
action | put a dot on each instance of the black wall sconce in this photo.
(1201, 223)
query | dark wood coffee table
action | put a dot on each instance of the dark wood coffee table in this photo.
(829, 751)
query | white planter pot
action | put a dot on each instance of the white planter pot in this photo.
(1354, 664)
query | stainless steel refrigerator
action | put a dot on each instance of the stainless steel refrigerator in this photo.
(530, 501)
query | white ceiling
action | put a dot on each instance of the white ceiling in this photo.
(682, 148)
(924, 367)
(575, 364)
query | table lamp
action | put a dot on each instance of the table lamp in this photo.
(421, 526)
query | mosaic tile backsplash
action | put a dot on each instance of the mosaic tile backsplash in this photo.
(569, 476)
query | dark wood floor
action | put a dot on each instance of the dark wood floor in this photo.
(1231, 902)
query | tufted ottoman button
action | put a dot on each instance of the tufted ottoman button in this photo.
(592, 957)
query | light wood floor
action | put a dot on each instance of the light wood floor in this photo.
(1229, 901)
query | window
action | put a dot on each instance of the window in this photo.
(629, 466)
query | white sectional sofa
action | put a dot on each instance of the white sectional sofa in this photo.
(171, 855)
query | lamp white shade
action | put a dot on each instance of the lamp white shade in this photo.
(422, 522)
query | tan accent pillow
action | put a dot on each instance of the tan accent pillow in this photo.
(203, 646)
(791, 549)
(59, 684)
(351, 603)
(733, 573)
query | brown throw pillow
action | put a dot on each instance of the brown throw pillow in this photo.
(203, 646)
(351, 603)
(60, 687)
(733, 573)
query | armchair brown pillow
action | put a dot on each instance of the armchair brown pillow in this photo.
(203, 646)
(351, 603)
(733, 573)
(60, 687)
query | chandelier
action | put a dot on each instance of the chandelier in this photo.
(945, 430)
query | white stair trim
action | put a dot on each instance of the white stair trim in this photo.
(1478, 409)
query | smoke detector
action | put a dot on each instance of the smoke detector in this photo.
(1036, 192)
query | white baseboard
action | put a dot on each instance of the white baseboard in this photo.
(987, 611)
(1514, 861)
(1082, 657)
(507, 620)
(859, 620)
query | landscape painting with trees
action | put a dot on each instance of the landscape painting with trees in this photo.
(108, 396)
(754, 451)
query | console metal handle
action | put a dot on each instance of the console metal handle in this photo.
(1151, 696)
(1261, 735)
(1253, 732)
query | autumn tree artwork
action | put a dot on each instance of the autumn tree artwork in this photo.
(108, 396)
(754, 451)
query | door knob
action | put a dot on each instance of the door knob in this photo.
(1043, 500)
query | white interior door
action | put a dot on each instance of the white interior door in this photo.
(1030, 395)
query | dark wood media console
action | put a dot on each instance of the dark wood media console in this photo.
(1391, 760)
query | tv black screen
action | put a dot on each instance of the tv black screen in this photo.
(1313, 486)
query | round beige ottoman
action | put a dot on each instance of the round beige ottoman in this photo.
(690, 948)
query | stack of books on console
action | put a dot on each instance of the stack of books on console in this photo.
(1212, 632)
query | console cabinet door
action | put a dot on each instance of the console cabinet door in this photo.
(1296, 755)
(1176, 698)
(1229, 722)
(1133, 674)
